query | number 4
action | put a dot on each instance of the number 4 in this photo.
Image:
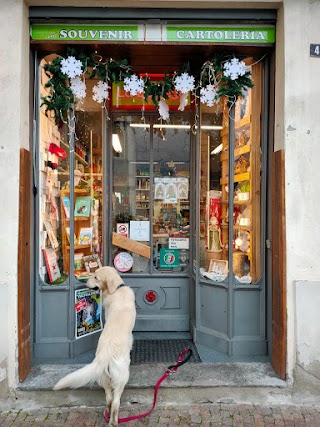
(317, 50)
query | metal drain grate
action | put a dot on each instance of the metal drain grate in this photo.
(148, 351)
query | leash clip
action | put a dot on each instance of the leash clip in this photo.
(170, 371)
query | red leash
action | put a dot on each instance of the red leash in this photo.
(169, 371)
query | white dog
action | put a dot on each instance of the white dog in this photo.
(110, 367)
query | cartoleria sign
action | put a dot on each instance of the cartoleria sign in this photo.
(219, 34)
(154, 33)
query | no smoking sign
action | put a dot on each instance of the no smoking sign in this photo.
(123, 229)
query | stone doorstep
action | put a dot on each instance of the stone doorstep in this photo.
(44, 377)
(192, 383)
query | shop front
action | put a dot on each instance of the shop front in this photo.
(151, 155)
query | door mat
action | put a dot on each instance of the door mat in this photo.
(157, 351)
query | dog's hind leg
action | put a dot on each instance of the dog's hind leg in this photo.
(114, 414)
(105, 382)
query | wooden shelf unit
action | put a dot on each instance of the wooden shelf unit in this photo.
(143, 194)
(79, 222)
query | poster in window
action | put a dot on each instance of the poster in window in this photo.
(88, 304)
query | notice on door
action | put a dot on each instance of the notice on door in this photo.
(140, 231)
(178, 243)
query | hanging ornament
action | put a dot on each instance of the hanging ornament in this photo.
(183, 83)
(183, 101)
(78, 87)
(163, 109)
(100, 92)
(134, 85)
(208, 95)
(234, 68)
(71, 66)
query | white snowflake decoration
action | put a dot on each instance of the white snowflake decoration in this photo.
(208, 95)
(183, 101)
(234, 68)
(78, 87)
(184, 83)
(71, 66)
(163, 109)
(134, 85)
(100, 92)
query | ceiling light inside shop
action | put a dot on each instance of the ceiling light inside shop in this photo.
(146, 126)
(116, 143)
(217, 150)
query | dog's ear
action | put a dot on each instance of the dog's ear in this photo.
(108, 279)
(112, 280)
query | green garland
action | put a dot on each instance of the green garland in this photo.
(61, 99)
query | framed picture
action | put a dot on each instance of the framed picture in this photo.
(218, 267)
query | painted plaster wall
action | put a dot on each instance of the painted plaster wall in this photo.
(308, 326)
(14, 133)
(301, 138)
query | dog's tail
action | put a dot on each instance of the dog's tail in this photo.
(84, 376)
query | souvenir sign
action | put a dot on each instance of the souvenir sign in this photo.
(123, 262)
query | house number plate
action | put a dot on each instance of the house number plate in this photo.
(315, 50)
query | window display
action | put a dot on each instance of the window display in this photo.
(57, 217)
(216, 194)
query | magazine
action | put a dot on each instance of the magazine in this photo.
(85, 236)
(82, 206)
(51, 264)
(52, 237)
(68, 236)
(88, 312)
(78, 261)
(66, 205)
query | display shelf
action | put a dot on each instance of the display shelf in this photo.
(80, 159)
(77, 247)
(237, 178)
(79, 222)
(239, 124)
(237, 152)
(247, 128)
(237, 227)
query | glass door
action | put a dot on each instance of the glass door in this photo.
(151, 215)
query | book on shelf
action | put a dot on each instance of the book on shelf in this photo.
(82, 274)
(66, 206)
(51, 234)
(50, 258)
(92, 262)
(78, 261)
(85, 236)
(82, 206)
(68, 236)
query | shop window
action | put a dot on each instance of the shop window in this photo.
(216, 194)
(70, 221)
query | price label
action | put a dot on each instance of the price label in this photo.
(315, 50)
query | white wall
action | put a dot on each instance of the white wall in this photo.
(14, 133)
(302, 148)
(308, 326)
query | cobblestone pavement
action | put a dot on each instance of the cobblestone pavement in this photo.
(193, 415)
